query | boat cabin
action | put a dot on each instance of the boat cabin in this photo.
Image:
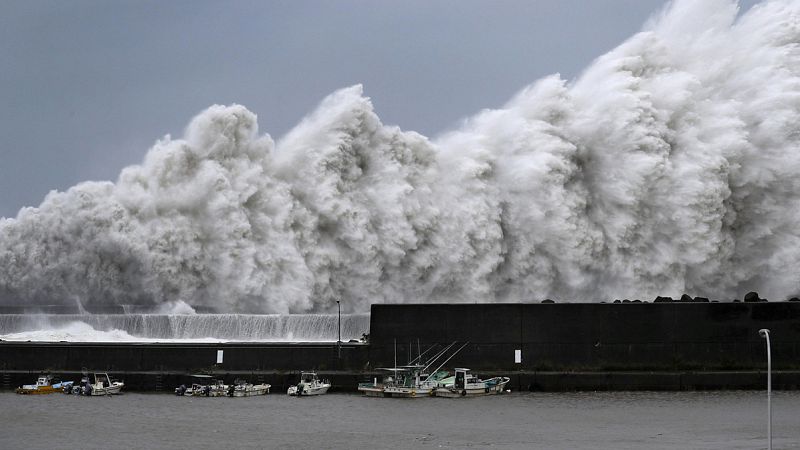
(308, 377)
(102, 379)
(463, 378)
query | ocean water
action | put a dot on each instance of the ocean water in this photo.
(588, 420)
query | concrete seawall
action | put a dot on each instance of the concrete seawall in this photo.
(163, 366)
(631, 346)
(595, 337)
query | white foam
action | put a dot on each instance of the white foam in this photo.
(80, 332)
(671, 165)
(182, 327)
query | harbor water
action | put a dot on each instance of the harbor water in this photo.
(588, 420)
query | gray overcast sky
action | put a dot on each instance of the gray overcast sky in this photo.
(86, 87)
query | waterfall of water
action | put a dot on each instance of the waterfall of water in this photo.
(148, 327)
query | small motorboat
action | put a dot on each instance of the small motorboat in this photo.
(96, 384)
(309, 384)
(45, 384)
(464, 384)
(203, 386)
(242, 388)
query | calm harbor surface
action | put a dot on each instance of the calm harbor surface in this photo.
(612, 420)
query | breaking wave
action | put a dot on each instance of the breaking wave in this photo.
(670, 165)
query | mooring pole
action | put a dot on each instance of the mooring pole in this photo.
(339, 340)
(764, 333)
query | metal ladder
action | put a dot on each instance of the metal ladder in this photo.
(159, 382)
(6, 381)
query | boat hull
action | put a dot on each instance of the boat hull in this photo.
(404, 392)
(106, 390)
(394, 392)
(211, 393)
(308, 391)
(252, 391)
(40, 390)
(472, 391)
(371, 391)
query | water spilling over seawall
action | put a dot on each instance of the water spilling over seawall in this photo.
(186, 328)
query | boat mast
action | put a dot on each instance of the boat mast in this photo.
(445, 361)
(418, 359)
(430, 362)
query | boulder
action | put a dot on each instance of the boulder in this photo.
(751, 297)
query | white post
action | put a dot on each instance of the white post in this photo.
(764, 333)
(339, 339)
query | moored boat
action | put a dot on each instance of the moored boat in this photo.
(309, 384)
(242, 388)
(412, 380)
(45, 384)
(203, 386)
(464, 384)
(96, 384)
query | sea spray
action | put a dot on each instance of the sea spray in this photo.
(670, 165)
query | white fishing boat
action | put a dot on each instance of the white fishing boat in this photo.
(97, 384)
(242, 388)
(45, 384)
(464, 384)
(309, 384)
(412, 380)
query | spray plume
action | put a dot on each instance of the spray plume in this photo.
(671, 165)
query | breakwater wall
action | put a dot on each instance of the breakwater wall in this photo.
(155, 327)
(162, 366)
(562, 346)
(671, 336)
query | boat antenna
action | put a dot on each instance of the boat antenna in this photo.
(437, 356)
(448, 359)
(395, 355)
(419, 358)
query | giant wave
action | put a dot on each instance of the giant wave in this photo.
(670, 165)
